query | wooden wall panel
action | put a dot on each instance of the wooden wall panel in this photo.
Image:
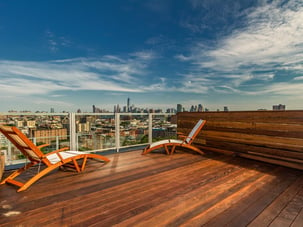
(270, 136)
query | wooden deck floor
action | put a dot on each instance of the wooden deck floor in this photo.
(159, 190)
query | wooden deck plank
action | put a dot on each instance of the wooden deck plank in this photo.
(290, 212)
(229, 201)
(299, 220)
(158, 190)
(148, 189)
(129, 194)
(243, 212)
(275, 208)
(160, 200)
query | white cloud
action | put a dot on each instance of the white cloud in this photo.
(26, 87)
(184, 58)
(269, 41)
(144, 55)
(298, 78)
(273, 35)
(288, 89)
(107, 74)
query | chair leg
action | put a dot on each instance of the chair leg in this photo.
(167, 149)
(17, 173)
(173, 149)
(145, 151)
(76, 165)
(94, 156)
(84, 163)
(37, 177)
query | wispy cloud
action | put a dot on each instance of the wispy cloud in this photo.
(264, 51)
(108, 73)
(287, 89)
(298, 78)
(144, 55)
(216, 17)
(54, 42)
(273, 35)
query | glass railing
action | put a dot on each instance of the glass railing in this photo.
(95, 132)
(133, 130)
(163, 127)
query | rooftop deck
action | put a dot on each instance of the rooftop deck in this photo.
(158, 190)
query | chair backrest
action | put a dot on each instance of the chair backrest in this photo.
(22, 143)
(195, 131)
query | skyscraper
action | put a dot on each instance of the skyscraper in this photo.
(279, 107)
(128, 105)
(200, 108)
(179, 108)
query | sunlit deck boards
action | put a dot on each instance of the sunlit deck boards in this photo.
(160, 190)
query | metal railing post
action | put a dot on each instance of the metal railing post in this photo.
(9, 157)
(117, 131)
(72, 131)
(77, 141)
(150, 128)
(57, 142)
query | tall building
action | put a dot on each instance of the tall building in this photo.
(200, 108)
(278, 107)
(128, 105)
(117, 109)
(179, 108)
(193, 108)
(52, 110)
(94, 109)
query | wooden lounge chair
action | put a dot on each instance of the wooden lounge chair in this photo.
(171, 144)
(52, 160)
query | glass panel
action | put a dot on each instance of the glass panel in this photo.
(133, 130)
(95, 132)
(164, 127)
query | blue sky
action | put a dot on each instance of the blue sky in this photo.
(71, 54)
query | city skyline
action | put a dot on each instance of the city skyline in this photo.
(132, 108)
(135, 109)
(70, 55)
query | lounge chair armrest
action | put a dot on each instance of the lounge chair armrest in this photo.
(43, 145)
(182, 136)
(56, 151)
